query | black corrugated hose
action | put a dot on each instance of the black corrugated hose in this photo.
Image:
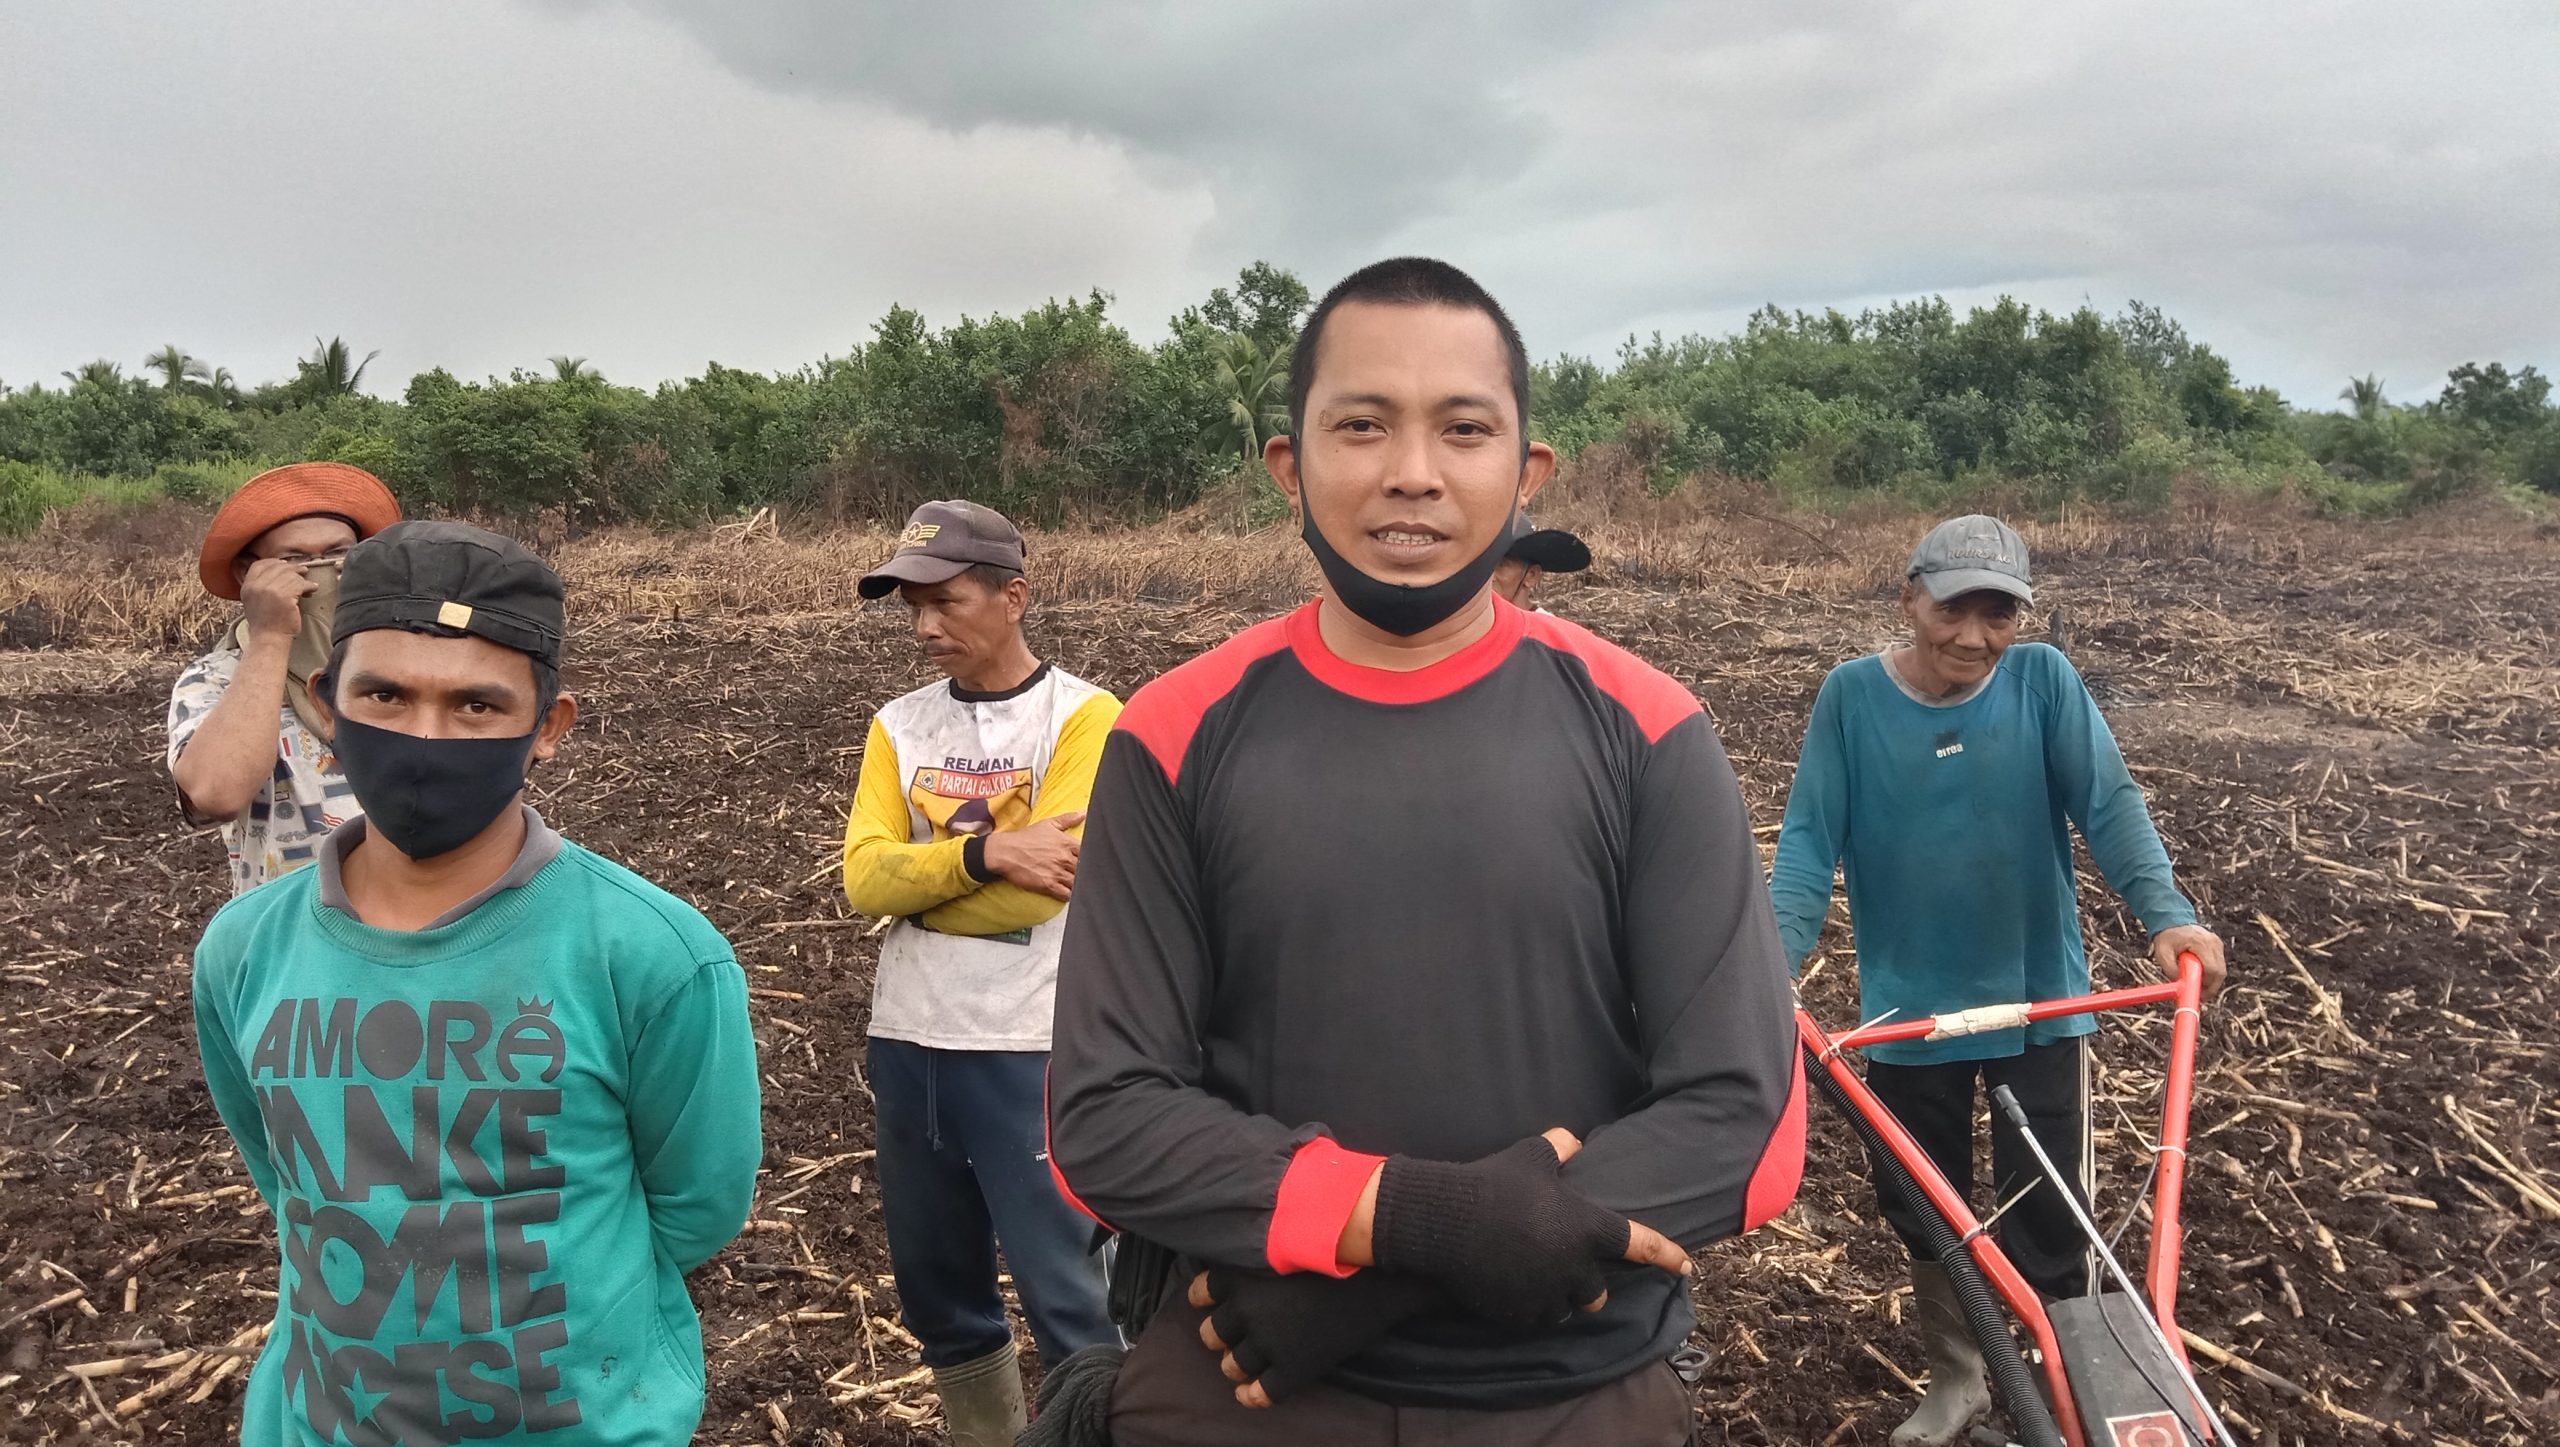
(2012, 1384)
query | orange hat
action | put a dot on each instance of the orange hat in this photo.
(279, 495)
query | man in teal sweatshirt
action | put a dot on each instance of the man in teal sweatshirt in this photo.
(499, 1092)
(1943, 778)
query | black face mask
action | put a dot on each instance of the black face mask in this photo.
(1395, 607)
(430, 796)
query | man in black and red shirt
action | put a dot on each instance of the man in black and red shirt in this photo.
(1422, 991)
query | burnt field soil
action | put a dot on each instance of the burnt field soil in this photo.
(2350, 751)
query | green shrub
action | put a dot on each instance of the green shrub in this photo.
(2537, 456)
(2332, 495)
(374, 453)
(203, 483)
(27, 492)
(2143, 474)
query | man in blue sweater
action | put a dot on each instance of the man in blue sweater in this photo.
(1943, 778)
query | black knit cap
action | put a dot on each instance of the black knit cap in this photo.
(438, 577)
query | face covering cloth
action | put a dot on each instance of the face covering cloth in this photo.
(310, 651)
(430, 796)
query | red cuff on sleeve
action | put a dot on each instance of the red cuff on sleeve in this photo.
(1317, 1195)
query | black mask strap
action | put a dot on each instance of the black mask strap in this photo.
(1395, 607)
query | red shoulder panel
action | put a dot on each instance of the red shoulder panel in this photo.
(1165, 713)
(1404, 686)
(1654, 697)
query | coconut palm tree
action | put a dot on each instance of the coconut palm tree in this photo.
(332, 370)
(573, 369)
(2364, 395)
(1254, 385)
(102, 372)
(221, 388)
(175, 367)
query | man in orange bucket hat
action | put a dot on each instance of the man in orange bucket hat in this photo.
(246, 747)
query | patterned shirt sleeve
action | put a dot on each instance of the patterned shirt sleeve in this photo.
(199, 688)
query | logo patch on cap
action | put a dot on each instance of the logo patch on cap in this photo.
(453, 615)
(918, 536)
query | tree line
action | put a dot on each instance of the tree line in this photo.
(1058, 412)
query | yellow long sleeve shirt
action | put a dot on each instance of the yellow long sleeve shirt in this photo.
(971, 961)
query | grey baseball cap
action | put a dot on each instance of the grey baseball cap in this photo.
(942, 541)
(1967, 554)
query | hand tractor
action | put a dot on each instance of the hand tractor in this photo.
(2102, 1370)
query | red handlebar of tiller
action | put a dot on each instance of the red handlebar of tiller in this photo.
(2166, 1237)
(2160, 993)
(2161, 1277)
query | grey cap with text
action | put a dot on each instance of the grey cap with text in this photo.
(1968, 554)
(943, 540)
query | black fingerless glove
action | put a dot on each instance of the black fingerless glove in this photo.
(1507, 1238)
(1287, 1332)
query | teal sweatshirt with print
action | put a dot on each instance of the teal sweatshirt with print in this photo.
(493, 1149)
(1953, 828)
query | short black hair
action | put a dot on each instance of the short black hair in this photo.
(546, 674)
(991, 576)
(1406, 281)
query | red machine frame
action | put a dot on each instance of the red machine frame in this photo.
(2160, 1278)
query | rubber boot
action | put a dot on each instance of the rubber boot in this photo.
(982, 1399)
(1957, 1395)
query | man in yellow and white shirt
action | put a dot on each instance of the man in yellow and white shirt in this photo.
(966, 826)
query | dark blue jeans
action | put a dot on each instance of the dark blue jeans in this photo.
(964, 1165)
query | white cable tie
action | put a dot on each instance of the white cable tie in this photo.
(1833, 1053)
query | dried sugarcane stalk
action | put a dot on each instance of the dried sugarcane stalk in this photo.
(867, 1391)
(2322, 1002)
(2524, 1182)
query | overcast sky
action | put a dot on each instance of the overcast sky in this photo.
(2317, 189)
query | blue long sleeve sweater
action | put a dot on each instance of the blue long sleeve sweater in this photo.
(1952, 825)
(493, 1148)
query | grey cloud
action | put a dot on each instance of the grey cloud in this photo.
(2299, 183)
(487, 184)
(1321, 125)
(2316, 188)
(1614, 166)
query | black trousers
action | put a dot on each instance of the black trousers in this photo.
(1936, 1103)
(1170, 1394)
